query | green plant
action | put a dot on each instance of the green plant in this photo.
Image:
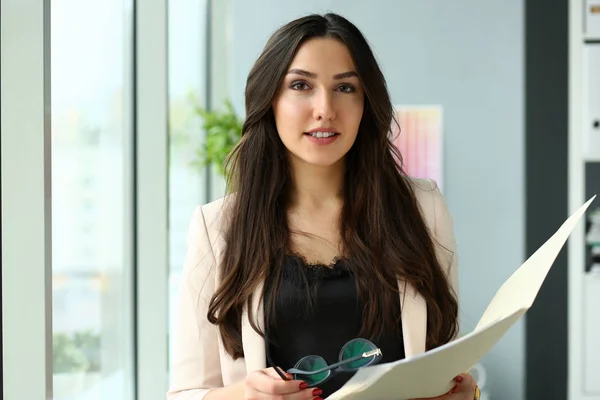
(79, 352)
(89, 344)
(223, 130)
(67, 357)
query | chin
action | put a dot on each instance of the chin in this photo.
(324, 158)
(322, 161)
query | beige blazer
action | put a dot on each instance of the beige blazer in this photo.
(199, 361)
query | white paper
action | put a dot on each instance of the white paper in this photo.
(431, 374)
(521, 289)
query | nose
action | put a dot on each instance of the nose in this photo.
(324, 107)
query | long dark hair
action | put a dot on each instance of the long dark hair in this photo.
(381, 225)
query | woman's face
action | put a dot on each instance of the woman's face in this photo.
(320, 104)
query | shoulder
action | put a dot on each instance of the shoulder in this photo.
(204, 243)
(439, 221)
(430, 200)
(423, 188)
(208, 224)
(215, 213)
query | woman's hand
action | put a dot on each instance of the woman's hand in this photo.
(463, 390)
(267, 384)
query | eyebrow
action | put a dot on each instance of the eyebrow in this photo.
(343, 75)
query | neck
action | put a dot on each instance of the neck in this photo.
(315, 186)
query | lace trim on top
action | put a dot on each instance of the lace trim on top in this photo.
(339, 266)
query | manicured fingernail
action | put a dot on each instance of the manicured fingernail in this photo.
(458, 379)
(303, 385)
(453, 389)
(317, 392)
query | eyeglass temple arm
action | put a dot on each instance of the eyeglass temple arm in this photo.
(337, 364)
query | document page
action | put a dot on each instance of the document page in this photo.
(430, 374)
(521, 289)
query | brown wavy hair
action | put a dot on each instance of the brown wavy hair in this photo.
(381, 225)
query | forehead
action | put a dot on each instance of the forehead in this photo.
(327, 55)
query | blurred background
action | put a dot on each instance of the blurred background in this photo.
(116, 116)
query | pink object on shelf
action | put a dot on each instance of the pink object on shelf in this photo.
(420, 141)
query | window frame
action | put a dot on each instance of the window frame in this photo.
(151, 198)
(26, 200)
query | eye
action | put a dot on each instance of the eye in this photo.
(346, 88)
(299, 85)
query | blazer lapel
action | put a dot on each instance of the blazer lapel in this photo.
(253, 343)
(414, 319)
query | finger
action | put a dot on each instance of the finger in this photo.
(441, 397)
(273, 374)
(304, 391)
(466, 381)
(305, 394)
(465, 384)
(269, 382)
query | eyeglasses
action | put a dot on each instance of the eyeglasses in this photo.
(313, 370)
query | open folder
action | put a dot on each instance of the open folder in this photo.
(431, 374)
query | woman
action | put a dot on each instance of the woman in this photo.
(323, 240)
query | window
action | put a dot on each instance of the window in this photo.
(91, 53)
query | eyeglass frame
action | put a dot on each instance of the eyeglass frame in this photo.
(333, 368)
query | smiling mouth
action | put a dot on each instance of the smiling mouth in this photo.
(322, 134)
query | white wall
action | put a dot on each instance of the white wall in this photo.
(466, 55)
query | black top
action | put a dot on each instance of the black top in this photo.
(333, 318)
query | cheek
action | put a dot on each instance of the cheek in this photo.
(351, 112)
(291, 114)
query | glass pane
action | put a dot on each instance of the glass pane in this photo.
(91, 52)
(187, 70)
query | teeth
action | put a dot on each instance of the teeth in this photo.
(322, 134)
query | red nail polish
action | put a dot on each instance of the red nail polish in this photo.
(317, 392)
(303, 385)
(453, 389)
(458, 379)
(317, 398)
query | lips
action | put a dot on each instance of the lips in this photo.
(322, 134)
(322, 137)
